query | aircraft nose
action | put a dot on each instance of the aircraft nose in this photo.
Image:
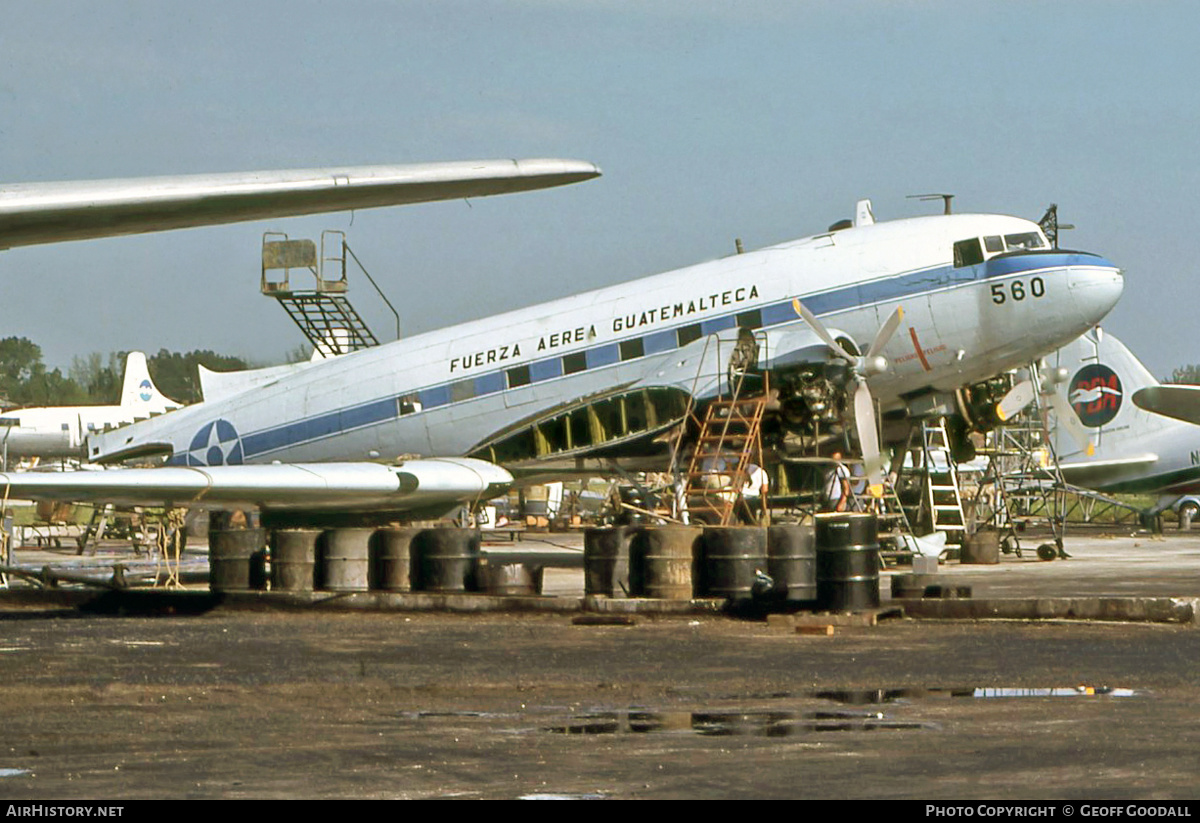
(1095, 289)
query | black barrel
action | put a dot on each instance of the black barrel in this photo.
(511, 579)
(661, 560)
(732, 556)
(294, 559)
(447, 560)
(847, 562)
(391, 559)
(237, 559)
(792, 562)
(606, 561)
(344, 559)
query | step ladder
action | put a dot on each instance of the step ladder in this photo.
(942, 493)
(729, 441)
(323, 313)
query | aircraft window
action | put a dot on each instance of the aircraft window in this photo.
(66, 427)
(993, 244)
(574, 363)
(409, 404)
(9, 422)
(545, 369)
(750, 319)
(660, 341)
(632, 349)
(489, 384)
(518, 377)
(462, 390)
(603, 356)
(1023, 241)
(967, 253)
(686, 334)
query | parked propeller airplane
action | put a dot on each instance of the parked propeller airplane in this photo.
(1115, 430)
(608, 376)
(61, 431)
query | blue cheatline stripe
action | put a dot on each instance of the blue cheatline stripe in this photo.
(860, 295)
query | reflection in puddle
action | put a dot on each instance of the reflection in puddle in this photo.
(864, 697)
(729, 724)
(13, 772)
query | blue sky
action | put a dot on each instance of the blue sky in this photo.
(760, 120)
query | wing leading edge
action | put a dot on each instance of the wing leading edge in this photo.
(309, 487)
(33, 213)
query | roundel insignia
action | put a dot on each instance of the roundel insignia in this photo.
(215, 444)
(146, 391)
(1095, 393)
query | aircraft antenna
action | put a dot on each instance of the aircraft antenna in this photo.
(945, 198)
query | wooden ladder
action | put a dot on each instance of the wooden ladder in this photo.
(730, 440)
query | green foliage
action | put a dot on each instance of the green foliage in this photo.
(176, 376)
(1185, 374)
(96, 379)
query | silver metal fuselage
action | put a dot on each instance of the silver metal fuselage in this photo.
(444, 392)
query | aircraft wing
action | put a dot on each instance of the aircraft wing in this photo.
(1179, 402)
(310, 487)
(32, 213)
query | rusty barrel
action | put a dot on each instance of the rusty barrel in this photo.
(732, 555)
(792, 562)
(661, 560)
(606, 561)
(447, 560)
(981, 548)
(847, 562)
(344, 559)
(237, 559)
(391, 559)
(294, 559)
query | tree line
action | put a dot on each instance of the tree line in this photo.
(96, 379)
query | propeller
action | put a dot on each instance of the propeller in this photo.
(1064, 414)
(868, 365)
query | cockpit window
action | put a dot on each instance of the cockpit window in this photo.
(993, 244)
(1024, 241)
(967, 253)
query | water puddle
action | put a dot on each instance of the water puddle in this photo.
(863, 697)
(731, 723)
(13, 772)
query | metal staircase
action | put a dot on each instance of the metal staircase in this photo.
(323, 313)
(729, 441)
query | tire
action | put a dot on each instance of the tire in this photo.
(1047, 551)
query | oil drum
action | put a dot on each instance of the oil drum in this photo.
(237, 559)
(447, 560)
(792, 562)
(661, 560)
(606, 561)
(732, 555)
(293, 559)
(511, 579)
(391, 559)
(344, 558)
(847, 562)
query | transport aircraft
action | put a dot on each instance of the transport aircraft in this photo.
(610, 377)
(61, 431)
(1116, 430)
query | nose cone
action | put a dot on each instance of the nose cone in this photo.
(1095, 285)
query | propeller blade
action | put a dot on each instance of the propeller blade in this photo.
(868, 434)
(1017, 398)
(822, 332)
(1066, 417)
(885, 333)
